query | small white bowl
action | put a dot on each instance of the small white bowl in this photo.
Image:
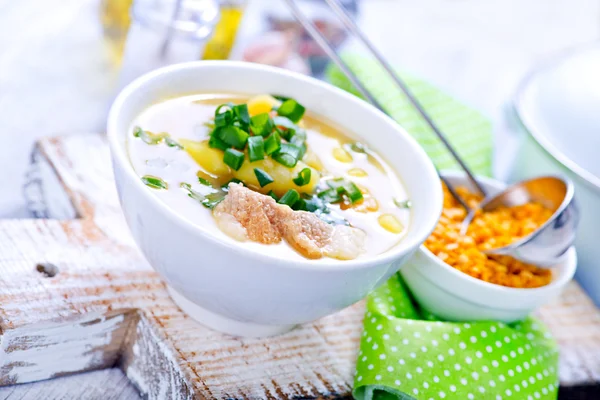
(251, 293)
(455, 296)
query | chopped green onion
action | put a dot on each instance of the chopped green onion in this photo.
(218, 110)
(300, 205)
(292, 110)
(225, 186)
(342, 186)
(204, 181)
(172, 143)
(242, 115)
(208, 201)
(211, 200)
(233, 158)
(262, 124)
(337, 184)
(216, 143)
(358, 147)
(154, 182)
(280, 98)
(402, 203)
(256, 148)
(273, 195)
(285, 127)
(233, 136)
(353, 192)
(263, 178)
(303, 177)
(272, 143)
(330, 196)
(288, 155)
(289, 198)
(223, 119)
(155, 138)
(299, 137)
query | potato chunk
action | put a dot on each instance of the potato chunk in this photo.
(282, 175)
(208, 158)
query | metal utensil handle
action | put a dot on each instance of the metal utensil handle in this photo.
(339, 10)
(330, 51)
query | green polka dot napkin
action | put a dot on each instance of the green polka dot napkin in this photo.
(405, 352)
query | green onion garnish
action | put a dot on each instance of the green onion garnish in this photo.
(292, 110)
(330, 196)
(289, 198)
(353, 192)
(204, 181)
(216, 143)
(242, 115)
(303, 177)
(223, 119)
(263, 178)
(299, 137)
(155, 138)
(280, 98)
(272, 143)
(256, 148)
(154, 182)
(273, 195)
(224, 105)
(261, 124)
(233, 158)
(358, 147)
(233, 136)
(172, 142)
(211, 200)
(402, 203)
(285, 127)
(342, 186)
(300, 205)
(208, 201)
(288, 155)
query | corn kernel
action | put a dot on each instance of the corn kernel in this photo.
(358, 172)
(261, 104)
(342, 155)
(390, 223)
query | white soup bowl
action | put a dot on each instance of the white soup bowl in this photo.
(246, 292)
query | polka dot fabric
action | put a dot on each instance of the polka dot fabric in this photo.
(406, 353)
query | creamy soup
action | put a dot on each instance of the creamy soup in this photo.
(267, 174)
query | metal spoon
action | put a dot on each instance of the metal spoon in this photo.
(543, 247)
(547, 245)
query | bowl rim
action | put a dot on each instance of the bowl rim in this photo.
(570, 262)
(522, 115)
(406, 244)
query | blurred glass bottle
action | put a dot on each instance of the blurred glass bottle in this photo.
(223, 39)
(196, 18)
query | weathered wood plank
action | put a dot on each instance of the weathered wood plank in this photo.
(106, 384)
(107, 306)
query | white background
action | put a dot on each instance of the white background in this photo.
(55, 76)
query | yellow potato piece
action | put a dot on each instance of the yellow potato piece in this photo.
(208, 158)
(261, 104)
(283, 176)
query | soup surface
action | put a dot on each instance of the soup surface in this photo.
(310, 185)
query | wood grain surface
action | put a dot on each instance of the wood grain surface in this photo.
(106, 307)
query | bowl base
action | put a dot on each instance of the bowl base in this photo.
(223, 324)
